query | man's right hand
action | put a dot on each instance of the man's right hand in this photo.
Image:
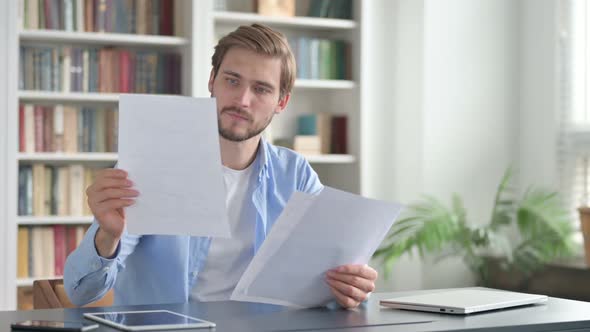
(110, 193)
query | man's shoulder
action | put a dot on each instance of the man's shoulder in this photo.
(284, 155)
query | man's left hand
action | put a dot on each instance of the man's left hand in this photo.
(351, 284)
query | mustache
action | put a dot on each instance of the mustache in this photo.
(238, 111)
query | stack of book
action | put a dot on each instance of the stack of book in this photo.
(321, 133)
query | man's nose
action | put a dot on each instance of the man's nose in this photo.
(244, 97)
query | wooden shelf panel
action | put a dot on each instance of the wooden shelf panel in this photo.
(86, 97)
(324, 84)
(277, 21)
(73, 157)
(54, 220)
(97, 38)
(330, 159)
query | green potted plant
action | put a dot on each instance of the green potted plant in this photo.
(522, 233)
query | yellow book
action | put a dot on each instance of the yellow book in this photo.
(70, 129)
(23, 253)
(39, 190)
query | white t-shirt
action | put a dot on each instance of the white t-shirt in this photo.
(228, 258)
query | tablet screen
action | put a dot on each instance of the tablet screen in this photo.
(156, 318)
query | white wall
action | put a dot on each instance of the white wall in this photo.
(451, 69)
(538, 100)
(470, 108)
(392, 117)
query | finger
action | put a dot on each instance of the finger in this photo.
(105, 183)
(364, 271)
(364, 284)
(347, 289)
(343, 300)
(111, 173)
(113, 204)
(111, 193)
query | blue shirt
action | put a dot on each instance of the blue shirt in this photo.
(153, 269)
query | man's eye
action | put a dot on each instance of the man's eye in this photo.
(232, 81)
(261, 90)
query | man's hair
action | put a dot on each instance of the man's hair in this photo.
(262, 40)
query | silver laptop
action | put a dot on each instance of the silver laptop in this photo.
(463, 300)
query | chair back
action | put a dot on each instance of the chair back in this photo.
(51, 294)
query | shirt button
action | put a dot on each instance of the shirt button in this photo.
(96, 266)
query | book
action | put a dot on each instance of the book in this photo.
(76, 190)
(339, 144)
(318, 124)
(276, 7)
(59, 240)
(307, 144)
(23, 253)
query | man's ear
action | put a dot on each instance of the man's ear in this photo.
(211, 79)
(282, 103)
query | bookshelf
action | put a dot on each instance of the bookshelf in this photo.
(332, 96)
(197, 26)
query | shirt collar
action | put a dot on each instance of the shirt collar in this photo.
(263, 158)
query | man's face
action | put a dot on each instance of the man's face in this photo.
(247, 89)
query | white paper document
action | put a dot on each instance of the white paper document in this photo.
(314, 233)
(169, 145)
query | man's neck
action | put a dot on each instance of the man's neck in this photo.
(238, 155)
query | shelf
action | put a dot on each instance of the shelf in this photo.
(65, 157)
(88, 97)
(97, 38)
(324, 84)
(112, 157)
(54, 220)
(27, 282)
(330, 159)
(113, 98)
(277, 21)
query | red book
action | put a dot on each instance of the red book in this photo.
(339, 134)
(48, 129)
(70, 239)
(21, 128)
(124, 60)
(59, 242)
(38, 128)
(166, 13)
(47, 12)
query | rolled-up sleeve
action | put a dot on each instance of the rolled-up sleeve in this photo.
(87, 275)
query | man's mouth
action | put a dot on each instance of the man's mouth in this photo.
(237, 115)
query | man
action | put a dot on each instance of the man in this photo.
(252, 77)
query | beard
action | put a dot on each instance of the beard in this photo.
(251, 131)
